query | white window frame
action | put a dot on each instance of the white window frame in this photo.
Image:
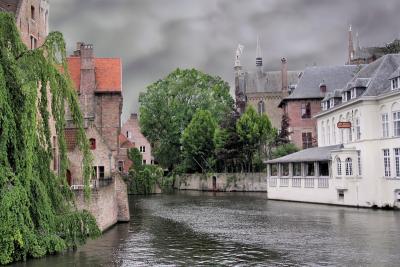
(386, 163)
(339, 167)
(396, 123)
(395, 83)
(396, 152)
(358, 128)
(332, 104)
(349, 166)
(385, 124)
(359, 162)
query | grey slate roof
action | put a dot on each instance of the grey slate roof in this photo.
(378, 72)
(306, 155)
(395, 74)
(334, 77)
(270, 81)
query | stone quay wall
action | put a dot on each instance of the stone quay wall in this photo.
(108, 204)
(224, 182)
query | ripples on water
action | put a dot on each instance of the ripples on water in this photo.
(240, 229)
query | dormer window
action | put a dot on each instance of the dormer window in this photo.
(332, 102)
(353, 93)
(395, 83)
(344, 97)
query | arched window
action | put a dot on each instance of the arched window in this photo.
(92, 143)
(322, 133)
(261, 107)
(357, 126)
(349, 131)
(328, 133)
(396, 119)
(341, 135)
(349, 166)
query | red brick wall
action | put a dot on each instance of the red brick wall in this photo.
(108, 117)
(298, 125)
(36, 27)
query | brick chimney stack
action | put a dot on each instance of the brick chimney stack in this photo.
(88, 78)
(284, 74)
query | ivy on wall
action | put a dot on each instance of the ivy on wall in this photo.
(37, 212)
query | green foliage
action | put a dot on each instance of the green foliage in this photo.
(37, 215)
(142, 178)
(284, 150)
(169, 105)
(256, 133)
(197, 141)
(393, 47)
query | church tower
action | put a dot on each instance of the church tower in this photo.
(240, 84)
(351, 51)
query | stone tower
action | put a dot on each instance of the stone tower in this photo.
(32, 19)
(240, 84)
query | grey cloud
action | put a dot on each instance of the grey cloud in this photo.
(153, 37)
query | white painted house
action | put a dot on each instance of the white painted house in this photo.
(356, 166)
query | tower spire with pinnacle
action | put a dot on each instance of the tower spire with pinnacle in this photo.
(351, 46)
(258, 53)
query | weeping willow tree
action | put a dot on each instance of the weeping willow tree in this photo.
(37, 212)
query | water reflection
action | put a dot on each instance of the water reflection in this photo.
(238, 229)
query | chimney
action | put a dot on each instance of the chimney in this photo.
(322, 87)
(284, 74)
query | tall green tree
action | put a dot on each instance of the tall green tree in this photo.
(197, 141)
(256, 133)
(169, 105)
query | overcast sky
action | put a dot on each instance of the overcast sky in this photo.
(153, 37)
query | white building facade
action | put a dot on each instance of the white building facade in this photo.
(363, 160)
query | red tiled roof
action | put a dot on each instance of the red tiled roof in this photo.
(107, 70)
(70, 139)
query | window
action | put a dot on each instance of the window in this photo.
(33, 42)
(309, 168)
(322, 133)
(396, 123)
(285, 169)
(296, 169)
(340, 195)
(142, 149)
(306, 110)
(144, 162)
(94, 172)
(349, 166)
(353, 93)
(261, 107)
(323, 168)
(395, 83)
(101, 172)
(128, 134)
(359, 162)
(385, 125)
(307, 139)
(358, 129)
(339, 166)
(386, 162)
(332, 102)
(120, 166)
(397, 161)
(92, 143)
(33, 12)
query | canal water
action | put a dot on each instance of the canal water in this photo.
(240, 229)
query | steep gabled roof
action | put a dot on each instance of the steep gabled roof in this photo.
(334, 77)
(124, 142)
(270, 81)
(108, 73)
(378, 74)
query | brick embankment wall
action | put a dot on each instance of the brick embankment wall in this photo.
(108, 204)
(225, 182)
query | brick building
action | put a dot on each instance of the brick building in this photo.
(261, 89)
(32, 17)
(305, 101)
(131, 130)
(98, 82)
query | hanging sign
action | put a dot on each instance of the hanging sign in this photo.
(344, 124)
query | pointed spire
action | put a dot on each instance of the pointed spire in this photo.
(258, 53)
(351, 46)
(357, 42)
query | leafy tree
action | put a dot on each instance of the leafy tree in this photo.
(393, 47)
(169, 105)
(256, 132)
(197, 141)
(283, 136)
(283, 150)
